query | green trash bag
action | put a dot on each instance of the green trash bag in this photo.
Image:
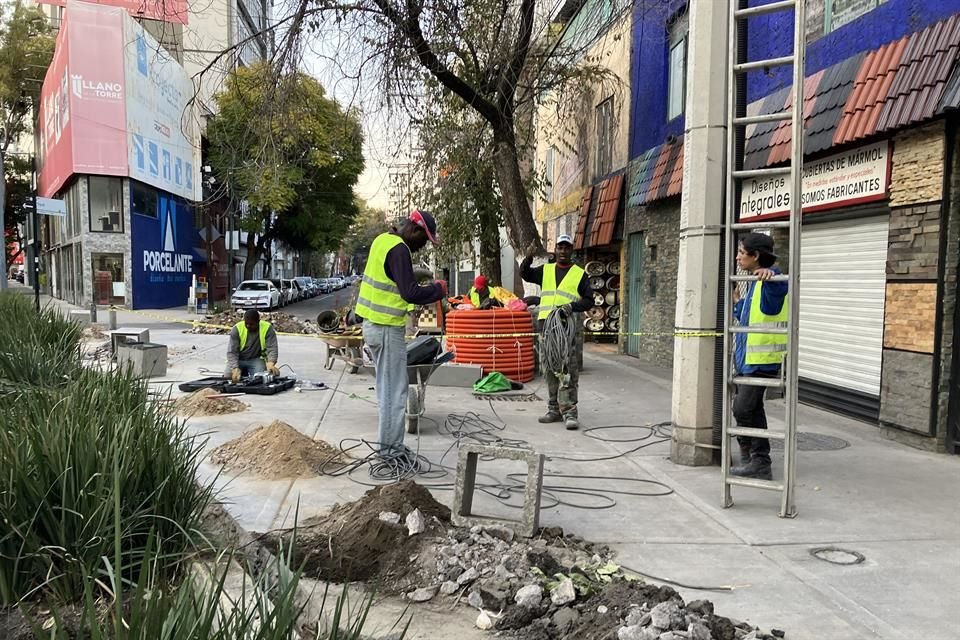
(493, 382)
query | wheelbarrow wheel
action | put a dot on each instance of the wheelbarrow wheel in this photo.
(413, 412)
(354, 368)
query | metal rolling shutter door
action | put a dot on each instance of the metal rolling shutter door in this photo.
(842, 291)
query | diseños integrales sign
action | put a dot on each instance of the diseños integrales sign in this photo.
(844, 179)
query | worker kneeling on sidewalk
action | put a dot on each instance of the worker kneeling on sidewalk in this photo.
(388, 290)
(252, 348)
(565, 288)
(757, 354)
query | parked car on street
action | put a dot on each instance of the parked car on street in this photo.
(286, 290)
(256, 294)
(306, 286)
(327, 285)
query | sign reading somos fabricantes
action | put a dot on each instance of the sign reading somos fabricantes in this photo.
(853, 177)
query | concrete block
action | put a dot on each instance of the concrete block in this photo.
(143, 359)
(453, 374)
(80, 317)
(463, 515)
(127, 334)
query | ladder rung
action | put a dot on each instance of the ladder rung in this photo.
(743, 67)
(761, 173)
(777, 331)
(754, 381)
(756, 433)
(749, 12)
(780, 278)
(762, 224)
(756, 483)
(766, 117)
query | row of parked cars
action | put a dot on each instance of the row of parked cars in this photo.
(279, 292)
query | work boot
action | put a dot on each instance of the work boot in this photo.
(756, 468)
(550, 416)
(571, 423)
(744, 452)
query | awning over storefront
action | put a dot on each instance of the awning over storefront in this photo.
(657, 174)
(599, 210)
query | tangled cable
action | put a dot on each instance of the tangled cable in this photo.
(558, 340)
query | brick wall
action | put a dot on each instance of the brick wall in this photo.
(910, 317)
(659, 223)
(914, 242)
(917, 166)
(905, 390)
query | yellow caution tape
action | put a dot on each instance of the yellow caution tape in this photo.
(478, 336)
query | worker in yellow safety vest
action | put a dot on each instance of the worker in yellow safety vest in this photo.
(388, 292)
(252, 348)
(757, 354)
(563, 286)
(480, 295)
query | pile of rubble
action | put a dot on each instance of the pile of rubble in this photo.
(221, 323)
(559, 588)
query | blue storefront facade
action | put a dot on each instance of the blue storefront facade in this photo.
(881, 75)
(163, 257)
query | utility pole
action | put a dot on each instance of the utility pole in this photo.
(701, 217)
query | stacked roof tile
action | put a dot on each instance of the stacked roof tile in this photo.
(902, 83)
(657, 174)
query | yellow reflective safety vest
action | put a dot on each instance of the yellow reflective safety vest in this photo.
(379, 300)
(242, 332)
(474, 297)
(552, 296)
(766, 348)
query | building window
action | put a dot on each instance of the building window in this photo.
(653, 284)
(106, 204)
(677, 69)
(604, 138)
(108, 281)
(653, 253)
(143, 200)
(548, 174)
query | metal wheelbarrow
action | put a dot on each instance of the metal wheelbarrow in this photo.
(419, 376)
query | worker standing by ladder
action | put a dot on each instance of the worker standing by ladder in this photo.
(764, 329)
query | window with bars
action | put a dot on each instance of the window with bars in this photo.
(604, 163)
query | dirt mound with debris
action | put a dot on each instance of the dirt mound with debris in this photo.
(93, 332)
(370, 538)
(282, 323)
(277, 450)
(207, 402)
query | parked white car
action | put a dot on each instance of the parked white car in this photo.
(255, 294)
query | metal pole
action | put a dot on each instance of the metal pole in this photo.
(788, 510)
(36, 245)
(3, 224)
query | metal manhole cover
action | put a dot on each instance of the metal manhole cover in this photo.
(813, 442)
(836, 555)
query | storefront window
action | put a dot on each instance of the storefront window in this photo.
(109, 286)
(106, 204)
(143, 199)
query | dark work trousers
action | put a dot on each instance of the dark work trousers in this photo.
(748, 411)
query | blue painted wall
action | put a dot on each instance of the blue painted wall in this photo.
(162, 254)
(772, 35)
(648, 77)
(768, 36)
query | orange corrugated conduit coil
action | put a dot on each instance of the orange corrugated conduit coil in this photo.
(503, 350)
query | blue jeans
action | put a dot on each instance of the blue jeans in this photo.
(248, 367)
(390, 359)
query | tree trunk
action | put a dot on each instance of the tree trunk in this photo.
(490, 247)
(521, 227)
(253, 255)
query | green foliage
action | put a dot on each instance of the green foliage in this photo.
(586, 580)
(368, 224)
(92, 468)
(291, 152)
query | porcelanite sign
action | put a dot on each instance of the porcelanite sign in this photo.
(844, 179)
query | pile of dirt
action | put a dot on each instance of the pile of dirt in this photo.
(369, 538)
(207, 402)
(277, 450)
(282, 323)
(93, 332)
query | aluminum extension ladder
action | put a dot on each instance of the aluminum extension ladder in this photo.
(737, 122)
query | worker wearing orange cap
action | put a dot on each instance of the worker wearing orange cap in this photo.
(480, 294)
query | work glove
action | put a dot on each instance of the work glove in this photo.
(443, 286)
(567, 310)
(272, 369)
(235, 375)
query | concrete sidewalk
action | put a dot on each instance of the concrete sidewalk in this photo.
(896, 506)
